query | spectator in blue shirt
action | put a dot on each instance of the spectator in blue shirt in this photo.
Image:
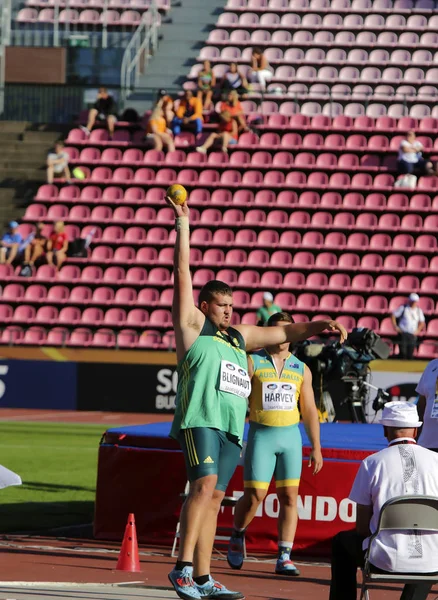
(10, 244)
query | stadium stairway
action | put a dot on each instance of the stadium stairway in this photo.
(22, 164)
(182, 38)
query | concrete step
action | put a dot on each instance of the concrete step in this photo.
(22, 164)
(23, 151)
(9, 136)
(23, 174)
(6, 195)
(47, 137)
(26, 148)
(14, 126)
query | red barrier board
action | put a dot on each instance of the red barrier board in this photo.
(148, 482)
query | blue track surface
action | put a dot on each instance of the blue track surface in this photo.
(345, 436)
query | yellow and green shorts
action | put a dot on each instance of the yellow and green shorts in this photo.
(209, 451)
(272, 451)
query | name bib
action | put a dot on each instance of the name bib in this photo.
(234, 379)
(434, 411)
(279, 396)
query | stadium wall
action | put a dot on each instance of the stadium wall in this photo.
(130, 381)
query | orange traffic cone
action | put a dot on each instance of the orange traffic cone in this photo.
(128, 557)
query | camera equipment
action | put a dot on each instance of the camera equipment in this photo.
(348, 364)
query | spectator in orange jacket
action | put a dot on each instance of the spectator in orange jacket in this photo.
(188, 115)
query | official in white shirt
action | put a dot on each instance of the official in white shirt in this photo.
(409, 322)
(428, 406)
(402, 468)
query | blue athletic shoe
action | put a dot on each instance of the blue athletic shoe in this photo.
(214, 589)
(183, 583)
(285, 566)
(235, 552)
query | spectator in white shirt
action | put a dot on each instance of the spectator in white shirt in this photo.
(409, 322)
(401, 469)
(428, 406)
(410, 157)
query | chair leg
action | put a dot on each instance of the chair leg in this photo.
(175, 541)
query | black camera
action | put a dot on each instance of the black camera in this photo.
(347, 364)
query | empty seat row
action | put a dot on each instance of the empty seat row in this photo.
(128, 338)
(325, 38)
(87, 16)
(99, 4)
(84, 337)
(161, 318)
(91, 316)
(37, 294)
(331, 21)
(257, 218)
(263, 159)
(331, 5)
(232, 178)
(375, 202)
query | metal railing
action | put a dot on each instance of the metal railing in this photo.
(138, 52)
(5, 36)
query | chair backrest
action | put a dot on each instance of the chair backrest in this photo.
(409, 512)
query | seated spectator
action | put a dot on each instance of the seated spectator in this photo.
(410, 158)
(206, 84)
(227, 134)
(10, 244)
(157, 131)
(259, 71)
(165, 102)
(268, 309)
(401, 469)
(57, 245)
(233, 106)
(35, 246)
(409, 322)
(188, 115)
(57, 164)
(104, 109)
(234, 80)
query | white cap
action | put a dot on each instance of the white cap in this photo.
(268, 296)
(414, 297)
(400, 414)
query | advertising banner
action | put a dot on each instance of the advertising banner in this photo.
(323, 505)
(38, 384)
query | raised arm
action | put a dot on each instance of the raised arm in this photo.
(309, 413)
(187, 319)
(260, 337)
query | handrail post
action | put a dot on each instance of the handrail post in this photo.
(105, 25)
(56, 24)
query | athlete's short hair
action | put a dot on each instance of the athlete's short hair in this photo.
(280, 316)
(214, 287)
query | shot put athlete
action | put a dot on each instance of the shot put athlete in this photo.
(279, 382)
(211, 403)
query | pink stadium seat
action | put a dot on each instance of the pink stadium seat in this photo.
(330, 302)
(102, 295)
(376, 304)
(294, 281)
(339, 281)
(150, 339)
(362, 282)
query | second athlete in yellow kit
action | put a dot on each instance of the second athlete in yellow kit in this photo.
(279, 382)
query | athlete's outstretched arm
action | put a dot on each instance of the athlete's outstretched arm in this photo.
(260, 337)
(187, 319)
(309, 413)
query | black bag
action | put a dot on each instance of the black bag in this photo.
(77, 248)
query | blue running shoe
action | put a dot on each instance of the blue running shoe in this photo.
(235, 552)
(285, 566)
(214, 589)
(183, 583)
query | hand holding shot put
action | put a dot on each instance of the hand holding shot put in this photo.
(211, 402)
